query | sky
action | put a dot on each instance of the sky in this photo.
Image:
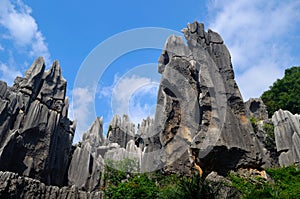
(108, 50)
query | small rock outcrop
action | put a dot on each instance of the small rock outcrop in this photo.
(256, 108)
(35, 133)
(201, 117)
(287, 137)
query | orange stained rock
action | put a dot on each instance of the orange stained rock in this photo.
(198, 168)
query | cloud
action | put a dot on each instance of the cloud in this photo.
(8, 74)
(22, 28)
(258, 35)
(132, 95)
(143, 103)
(80, 109)
(1, 48)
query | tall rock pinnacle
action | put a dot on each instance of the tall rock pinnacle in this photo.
(35, 134)
(201, 118)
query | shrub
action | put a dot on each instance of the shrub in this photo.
(284, 93)
(286, 184)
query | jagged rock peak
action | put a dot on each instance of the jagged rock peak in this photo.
(95, 134)
(200, 113)
(54, 84)
(35, 134)
(198, 29)
(287, 137)
(122, 122)
(144, 127)
(121, 130)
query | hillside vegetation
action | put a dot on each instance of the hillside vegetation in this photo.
(284, 93)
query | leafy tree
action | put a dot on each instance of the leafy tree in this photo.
(285, 93)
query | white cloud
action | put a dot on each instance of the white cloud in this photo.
(8, 74)
(22, 28)
(80, 109)
(131, 95)
(143, 102)
(257, 35)
(1, 48)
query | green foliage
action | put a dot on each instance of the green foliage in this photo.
(287, 181)
(116, 171)
(120, 182)
(139, 186)
(270, 139)
(253, 122)
(285, 93)
(286, 184)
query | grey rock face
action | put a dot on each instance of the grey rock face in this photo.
(87, 163)
(89, 156)
(256, 108)
(121, 130)
(201, 117)
(222, 187)
(15, 186)
(287, 137)
(35, 134)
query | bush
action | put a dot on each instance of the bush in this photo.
(119, 182)
(286, 184)
(139, 186)
(285, 93)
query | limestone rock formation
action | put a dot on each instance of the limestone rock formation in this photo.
(201, 117)
(121, 130)
(89, 155)
(256, 108)
(35, 134)
(13, 185)
(86, 163)
(287, 137)
(221, 186)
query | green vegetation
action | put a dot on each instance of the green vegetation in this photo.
(270, 139)
(119, 184)
(285, 93)
(286, 184)
(253, 122)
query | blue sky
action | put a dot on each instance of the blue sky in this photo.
(262, 36)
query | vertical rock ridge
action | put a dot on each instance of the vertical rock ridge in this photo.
(35, 137)
(200, 109)
(287, 137)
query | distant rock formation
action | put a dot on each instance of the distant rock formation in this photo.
(35, 134)
(121, 130)
(287, 137)
(89, 155)
(201, 118)
(256, 108)
(86, 163)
